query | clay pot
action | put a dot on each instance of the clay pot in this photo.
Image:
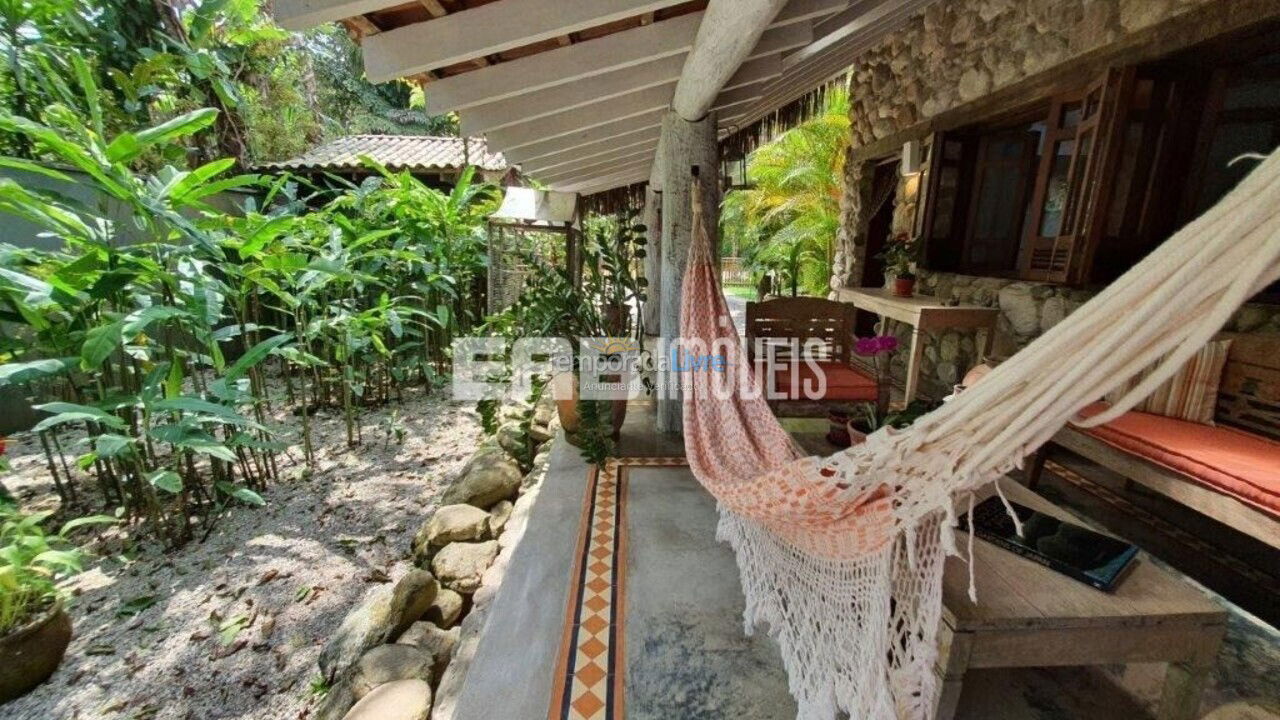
(904, 287)
(564, 390)
(30, 654)
(857, 433)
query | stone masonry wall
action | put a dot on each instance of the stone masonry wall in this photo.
(953, 54)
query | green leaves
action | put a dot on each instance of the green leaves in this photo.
(255, 355)
(166, 480)
(99, 343)
(181, 126)
(25, 372)
(70, 412)
(243, 494)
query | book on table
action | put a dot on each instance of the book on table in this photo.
(1077, 552)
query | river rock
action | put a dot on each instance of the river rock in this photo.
(499, 515)
(459, 565)
(388, 663)
(454, 523)
(491, 475)
(399, 700)
(387, 612)
(445, 609)
(439, 644)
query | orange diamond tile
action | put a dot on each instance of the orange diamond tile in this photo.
(601, 552)
(588, 705)
(602, 538)
(598, 585)
(592, 647)
(595, 624)
(590, 675)
(597, 602)
(604, 525)
(599, 567)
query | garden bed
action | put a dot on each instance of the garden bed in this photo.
(232, 626)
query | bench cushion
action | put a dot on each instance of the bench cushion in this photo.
(1231, 461)
(844, 383)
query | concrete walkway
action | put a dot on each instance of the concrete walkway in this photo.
(681, 649)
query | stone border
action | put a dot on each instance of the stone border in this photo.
(405, 639)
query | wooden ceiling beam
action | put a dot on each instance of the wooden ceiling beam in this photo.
(626, 128)
(434, 8)
(563, 65)
(524, 108)
(603, 148)
(577, 163)
(640, 102)
(601, 170)
(488, 29)
(587, 186)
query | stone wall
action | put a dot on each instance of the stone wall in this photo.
(958, 55)
(1027, 309)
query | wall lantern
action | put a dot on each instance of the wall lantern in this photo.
(912, 156)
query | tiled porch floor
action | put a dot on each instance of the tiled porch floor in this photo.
(654, 627)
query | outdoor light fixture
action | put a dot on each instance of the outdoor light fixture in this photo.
(911, 158)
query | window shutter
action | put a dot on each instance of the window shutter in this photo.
(1075, 151)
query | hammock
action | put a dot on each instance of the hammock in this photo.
(842, 556)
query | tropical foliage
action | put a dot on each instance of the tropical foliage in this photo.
(32, 561)
(277, 92)
(161, 331)
(786, 220)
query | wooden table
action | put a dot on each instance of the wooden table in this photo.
(1030, 616)
(923, 314)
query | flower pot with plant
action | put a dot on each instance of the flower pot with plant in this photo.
(900, 261)
(34, 626)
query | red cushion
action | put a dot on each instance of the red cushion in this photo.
(1231, 461)
(843, 382)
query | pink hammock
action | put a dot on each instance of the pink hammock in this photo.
(842, 556)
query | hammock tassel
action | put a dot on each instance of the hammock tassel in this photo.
(1017, 522)
(973, 583)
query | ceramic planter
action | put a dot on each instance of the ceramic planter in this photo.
(30, 654)
(904, 287)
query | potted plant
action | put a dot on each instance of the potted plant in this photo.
(899, 257)
(34, 626)
(852, 428)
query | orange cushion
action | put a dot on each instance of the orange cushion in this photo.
(843, 382)
(1231, 461)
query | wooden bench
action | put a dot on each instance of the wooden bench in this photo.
(1146, 449)
(782, 327)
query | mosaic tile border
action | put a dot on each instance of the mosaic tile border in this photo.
(589, 674)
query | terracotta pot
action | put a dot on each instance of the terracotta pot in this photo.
(857, 435)
(564, 390)
(904, 287)
(30, 654)
(618, 416)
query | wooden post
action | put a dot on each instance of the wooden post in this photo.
(653, 261)
(685, 145)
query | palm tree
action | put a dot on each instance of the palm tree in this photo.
(787, 219)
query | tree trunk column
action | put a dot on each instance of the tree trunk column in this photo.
(685, 145)
(652, 308)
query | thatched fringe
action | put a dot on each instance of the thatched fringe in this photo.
(739, 142)
(619, 199)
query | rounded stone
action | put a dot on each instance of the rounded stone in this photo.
(459, 566)
(388, 663)
(491, 475)
(454, 523)
(398, 700)
(445, 609)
